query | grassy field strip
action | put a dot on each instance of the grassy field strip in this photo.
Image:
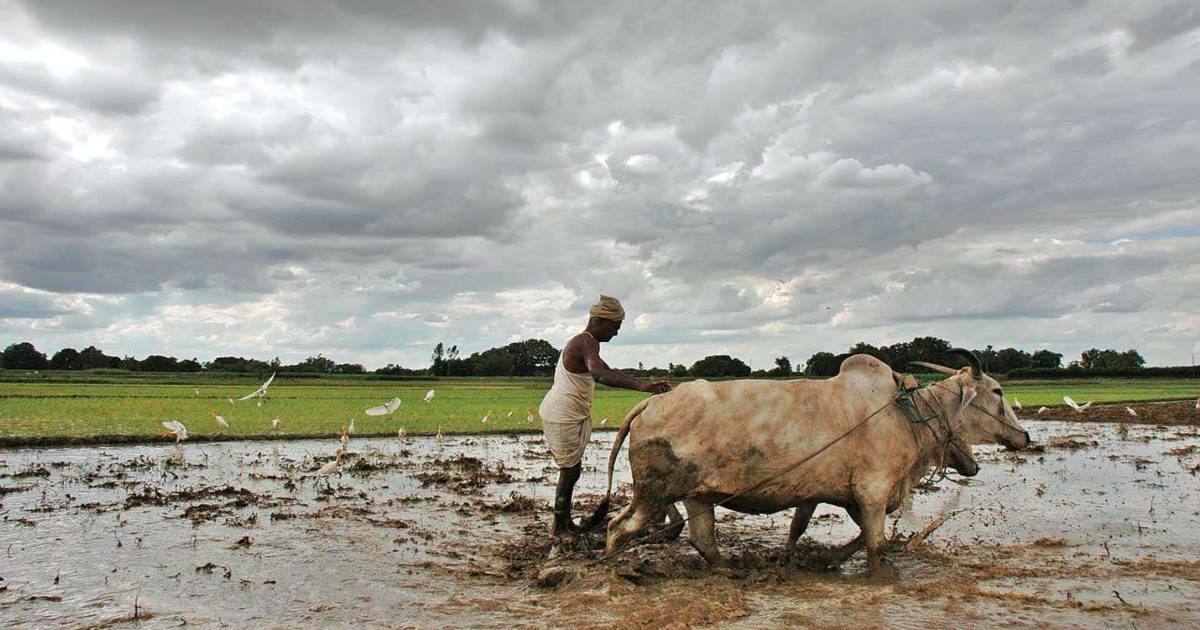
(71, 410)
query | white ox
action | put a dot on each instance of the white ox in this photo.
(707, 443)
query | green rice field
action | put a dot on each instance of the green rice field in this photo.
(117, 407)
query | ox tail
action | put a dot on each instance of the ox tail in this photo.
(601, 512)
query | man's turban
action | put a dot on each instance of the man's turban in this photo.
(608, 308)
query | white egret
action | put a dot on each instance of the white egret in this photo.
(332, 465)
(1076, 406)
(529, 415)
(275, 424)
(345, 439)
(604, 421)
(350, 429)
(1130, 411)
(261, 391)
(176, 429)
(1042, 410)
(197, 391)
(429, 395)
(439, 434)
(384, 409)
(1016, 403)
(487, 416)
(220, 420)
(510, 414)
(230, 399)
(401, 432)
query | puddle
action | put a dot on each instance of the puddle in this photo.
(1101, 527)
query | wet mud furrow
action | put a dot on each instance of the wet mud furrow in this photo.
(1099, 524)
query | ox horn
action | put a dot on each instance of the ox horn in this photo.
(972, 360)
(935, 367)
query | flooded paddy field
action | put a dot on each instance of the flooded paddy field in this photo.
(1099, 525)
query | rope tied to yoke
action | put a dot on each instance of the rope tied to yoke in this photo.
(903, 393)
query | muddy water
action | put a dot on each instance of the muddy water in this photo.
(1102, 527)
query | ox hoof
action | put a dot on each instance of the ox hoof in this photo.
(554, 576)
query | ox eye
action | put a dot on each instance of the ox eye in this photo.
(997, 392)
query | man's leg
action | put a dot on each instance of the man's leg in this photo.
(562, 500)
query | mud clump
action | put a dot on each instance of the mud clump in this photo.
(464, 474)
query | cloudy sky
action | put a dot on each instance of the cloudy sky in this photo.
(364, 179)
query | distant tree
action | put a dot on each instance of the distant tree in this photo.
(863, 347)
(158, 363)
(1097, 359)
(1132, 359)
(531, 357)
(189, 365)
(677, 370)
(783, 367)
(719, 365)
(24, 356)
(349, 368)
(822, 364)
(395, 370)
(238, 364)
(92, 358)
(66, 359)
(928, 349)
(1046, 359)
(439, 360)
(319, 364)
(494, 362)
(1010, 359)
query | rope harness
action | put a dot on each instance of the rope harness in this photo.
(904, 399)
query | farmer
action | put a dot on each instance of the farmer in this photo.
(566, 409)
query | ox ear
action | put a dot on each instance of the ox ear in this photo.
(935, 367)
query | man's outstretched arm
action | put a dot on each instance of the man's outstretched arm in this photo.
(604, 374)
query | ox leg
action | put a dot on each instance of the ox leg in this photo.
(800, 522)
(629, 523)
(843, 553)
(701, 530)
(872, 529)
(673, 527)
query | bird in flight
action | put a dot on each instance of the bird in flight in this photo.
(260, 392)
(384, 409)
(1076, 406)
(176, 429)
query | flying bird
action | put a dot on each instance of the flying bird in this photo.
(384, 409)
(1076, 406)
(429, 395)
(220, 420)
(1130, 411)
(176, 429)
(261, 391)
(1016, 403)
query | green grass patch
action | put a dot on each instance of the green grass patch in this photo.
(122, 408)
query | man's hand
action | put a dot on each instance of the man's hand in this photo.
(659, 387)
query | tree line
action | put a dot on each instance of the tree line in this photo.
(537, 357)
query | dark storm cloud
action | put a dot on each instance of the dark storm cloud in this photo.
(372, 176)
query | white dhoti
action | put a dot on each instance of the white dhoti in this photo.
(566, 413)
